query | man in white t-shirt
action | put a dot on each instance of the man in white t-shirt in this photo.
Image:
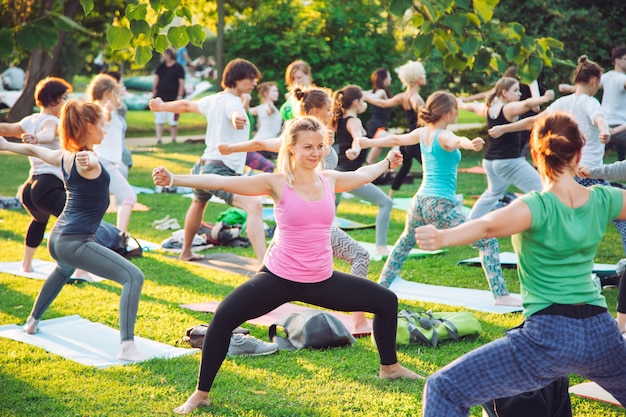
(228, 122)
(614, 98)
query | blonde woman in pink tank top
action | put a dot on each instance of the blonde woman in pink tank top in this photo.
(300, 267)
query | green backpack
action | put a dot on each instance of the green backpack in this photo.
(428, 328)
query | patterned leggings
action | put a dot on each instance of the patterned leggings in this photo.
(619, 224)
(442, 213)
(547, 347)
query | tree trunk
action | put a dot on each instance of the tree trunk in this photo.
(219, 47)
(40, 65)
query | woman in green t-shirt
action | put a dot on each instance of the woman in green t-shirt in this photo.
(568, 328)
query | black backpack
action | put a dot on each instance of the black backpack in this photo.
(111, 237)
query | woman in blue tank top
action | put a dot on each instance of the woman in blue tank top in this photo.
(72, 243)
(435, 202)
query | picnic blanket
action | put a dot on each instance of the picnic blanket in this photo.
(86, 342)
(480, 300)
(278, 313)
(509, 260)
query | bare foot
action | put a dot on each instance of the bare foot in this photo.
(26, 268)
(191, 257)
(197, 399)
(507, 300)
(128, 352)
(31, 326)
(396, 371)
(360, 326)
(382, 250)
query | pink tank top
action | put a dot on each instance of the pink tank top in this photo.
(303, 252)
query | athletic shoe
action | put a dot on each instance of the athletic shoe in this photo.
(246, 345)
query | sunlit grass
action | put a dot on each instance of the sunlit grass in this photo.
(333, 382)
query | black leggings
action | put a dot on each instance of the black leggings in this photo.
(42, 196)
(408, 154)
(621, 295)
(265, 291)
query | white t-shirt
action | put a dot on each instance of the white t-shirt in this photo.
(268, 125)
(32, 124)
(584, 109)
(112, 144)
(614, 97)
(217, 109)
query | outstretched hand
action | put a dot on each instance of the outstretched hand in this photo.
(353, 153)
(428, 237)
(583, 172)
(330, 137)
(161, 176)
(224, 149)
(155, 104)
(395, 158)
(30, 138)
(477, 144)
(549, 95)
(365, 142)
(83, 159)
(496, 131)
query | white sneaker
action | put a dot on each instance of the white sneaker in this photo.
(246, 345)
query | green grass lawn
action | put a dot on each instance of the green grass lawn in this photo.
(334, 382)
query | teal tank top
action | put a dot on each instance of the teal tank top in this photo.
(440, 169)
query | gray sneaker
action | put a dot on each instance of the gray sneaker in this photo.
(246, 345)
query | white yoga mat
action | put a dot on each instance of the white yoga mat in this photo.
(414, 253)
(510, 259)
(593, 391)
(480, 300)
(41, 270)
(85, 342)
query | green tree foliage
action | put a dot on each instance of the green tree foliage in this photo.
(49, 37)
(586, 27)
(342, 41)
(467, 37)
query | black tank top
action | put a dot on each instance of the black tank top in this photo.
(87, 201)
(506, 146)
(344, 141)
(379, 118)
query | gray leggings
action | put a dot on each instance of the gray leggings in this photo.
(372, 194)
(81, 251)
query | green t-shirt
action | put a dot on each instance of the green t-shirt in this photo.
(556, 254)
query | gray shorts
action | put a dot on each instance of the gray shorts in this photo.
(217, 168)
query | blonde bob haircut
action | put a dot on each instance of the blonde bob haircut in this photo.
(411, 72)
(289, 136)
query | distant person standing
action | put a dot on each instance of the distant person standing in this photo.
(614, 98)
(182, 58)
(13, 78)
(169, 85)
